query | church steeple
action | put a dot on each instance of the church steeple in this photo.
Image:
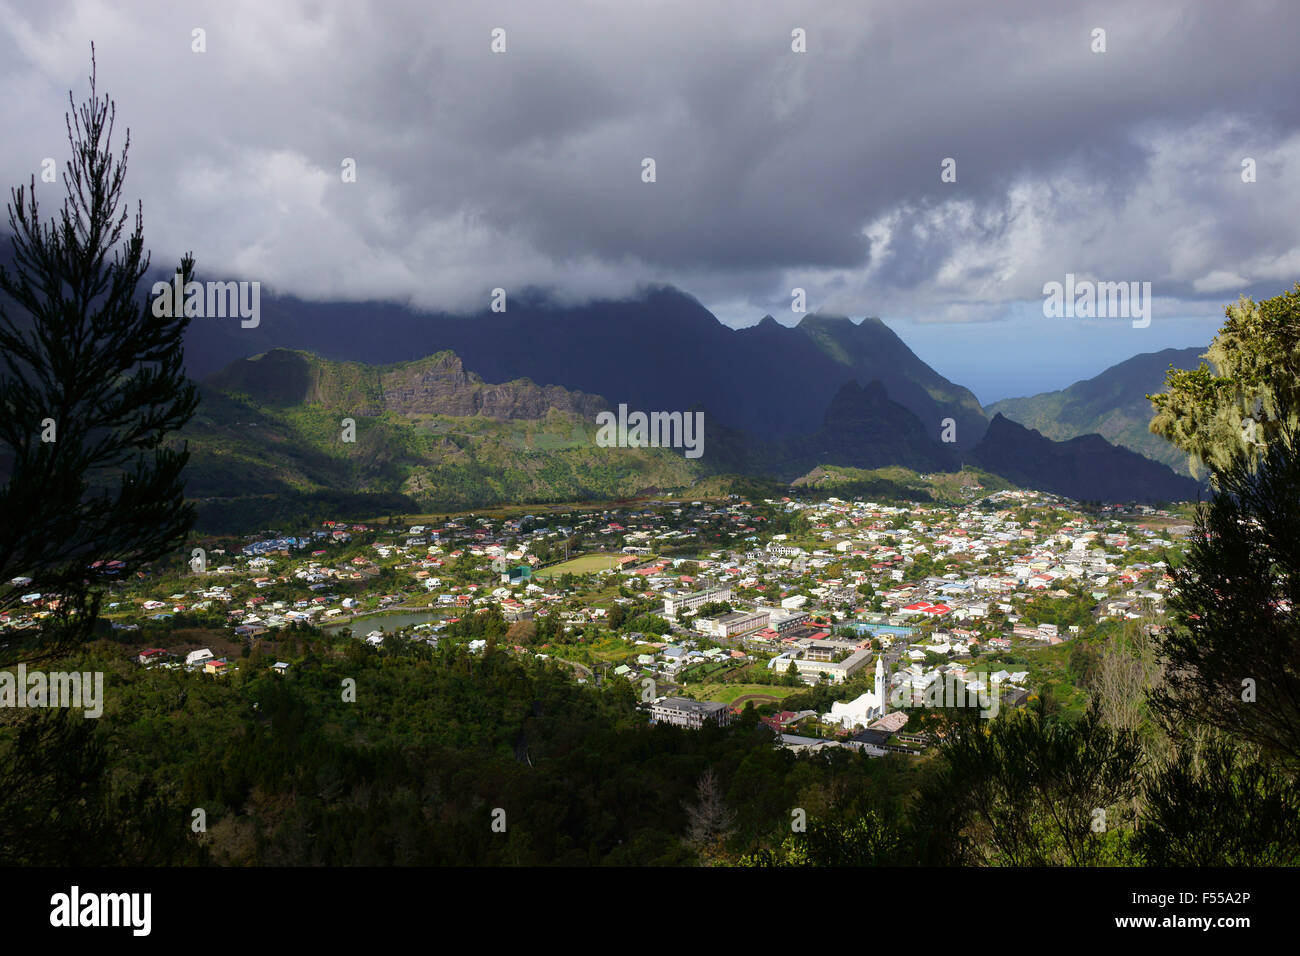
(880, 683)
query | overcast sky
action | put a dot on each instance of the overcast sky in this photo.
(775, 169)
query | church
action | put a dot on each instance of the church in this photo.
(862, 711)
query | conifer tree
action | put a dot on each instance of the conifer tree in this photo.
(91, 385)
(1232, 652)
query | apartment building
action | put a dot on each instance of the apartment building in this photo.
(675, 604)
(689, 713)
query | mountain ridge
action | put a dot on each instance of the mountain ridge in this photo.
(1112, 404)
(661, 351)
(436, 432)
(437, 384)
(1086, 467)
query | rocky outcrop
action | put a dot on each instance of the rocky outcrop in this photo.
(438, 385)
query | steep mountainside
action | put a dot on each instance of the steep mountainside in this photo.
(427, 430)
(273, 428)
(663, 351)
(1112, 404)
(863, 428)
(874, 352)
(437, 385)
(1087, 467)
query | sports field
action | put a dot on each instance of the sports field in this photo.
(739, 693)
(585, 564)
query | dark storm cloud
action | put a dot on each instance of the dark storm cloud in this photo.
(775, 169)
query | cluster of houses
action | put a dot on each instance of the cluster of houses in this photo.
(920, 589)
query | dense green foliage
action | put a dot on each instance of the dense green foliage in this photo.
(1234, 644)
(1249, 387)
(287, 772)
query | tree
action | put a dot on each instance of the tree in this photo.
(1120, 678)
(61, 804)
(90, 386)
(523, 633)
(649, 624)
(709, 821)
(1235, 402)
(1232, 650)
(713, 608)
(1220, 807)
(1026, 789)
(866, 841)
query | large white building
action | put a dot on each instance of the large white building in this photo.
(862, 711)
(675, 604)
(812, 671)
(736, 624)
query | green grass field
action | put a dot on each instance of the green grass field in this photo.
(586, 564)
(726, 693)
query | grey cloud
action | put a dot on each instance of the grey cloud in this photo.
(774, 169)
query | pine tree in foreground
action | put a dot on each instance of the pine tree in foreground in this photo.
(91, 383)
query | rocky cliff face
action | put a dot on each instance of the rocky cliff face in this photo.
(442, 386)
(438, 385)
